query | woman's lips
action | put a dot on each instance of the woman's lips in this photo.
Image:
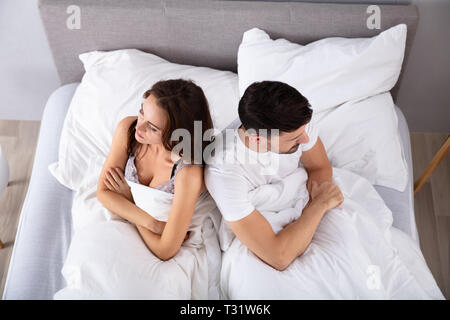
(137, 133)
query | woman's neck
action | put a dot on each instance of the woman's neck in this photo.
(160, 151)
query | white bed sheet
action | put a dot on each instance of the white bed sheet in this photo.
(355, 252)
(45, 226)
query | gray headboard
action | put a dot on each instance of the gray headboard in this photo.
(202, 32)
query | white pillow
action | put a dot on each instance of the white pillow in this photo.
(362, 136)
(112, 89)
(327, 72)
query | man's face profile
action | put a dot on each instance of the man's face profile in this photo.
(289, 142)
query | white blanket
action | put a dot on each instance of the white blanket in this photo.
(355, 252)
(109, 260)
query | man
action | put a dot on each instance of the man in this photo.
(267, 107)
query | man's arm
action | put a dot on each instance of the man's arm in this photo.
(279, 250)
(316, 163)
(230, 191)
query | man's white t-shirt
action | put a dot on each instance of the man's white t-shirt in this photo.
(234, 170)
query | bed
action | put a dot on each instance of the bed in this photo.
(198, 32)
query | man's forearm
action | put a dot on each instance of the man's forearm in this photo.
(320, 175)
(295, 238)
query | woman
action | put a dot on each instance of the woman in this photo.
(142, 152)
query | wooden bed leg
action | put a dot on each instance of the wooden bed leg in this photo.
(432, 165)
(1, 244)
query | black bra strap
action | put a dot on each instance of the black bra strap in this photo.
(174, 167)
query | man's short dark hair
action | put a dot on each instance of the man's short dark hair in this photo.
(273, 105)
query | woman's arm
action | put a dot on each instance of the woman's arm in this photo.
(119, 205)
(188, 187)
(116, 202)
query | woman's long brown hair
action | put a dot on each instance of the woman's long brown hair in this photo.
(184, 103)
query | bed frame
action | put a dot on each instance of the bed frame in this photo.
(195, 32)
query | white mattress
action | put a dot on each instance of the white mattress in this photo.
(45, 225)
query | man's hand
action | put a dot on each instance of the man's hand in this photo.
(314, 176)
(326, 193)
(319, 176)
(115, 181)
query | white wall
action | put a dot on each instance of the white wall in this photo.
(27, 72)
(424, 95)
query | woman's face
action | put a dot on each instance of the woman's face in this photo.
(150, 123)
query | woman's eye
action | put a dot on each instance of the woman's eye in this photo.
(149, 126)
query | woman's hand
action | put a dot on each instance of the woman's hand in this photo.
(156, 226)
(115, 181)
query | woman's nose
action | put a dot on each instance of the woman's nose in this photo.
(139, 127)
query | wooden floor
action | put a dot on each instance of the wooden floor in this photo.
(432, 207)
(432, 204)
(18, 140)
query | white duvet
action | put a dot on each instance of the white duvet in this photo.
(107, 259)
(355, 252)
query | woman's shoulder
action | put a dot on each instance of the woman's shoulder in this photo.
(125, 123)
(121, 135)
(191, 168)
(188, 172)
(190, 176)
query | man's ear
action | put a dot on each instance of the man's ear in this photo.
(254, 139)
